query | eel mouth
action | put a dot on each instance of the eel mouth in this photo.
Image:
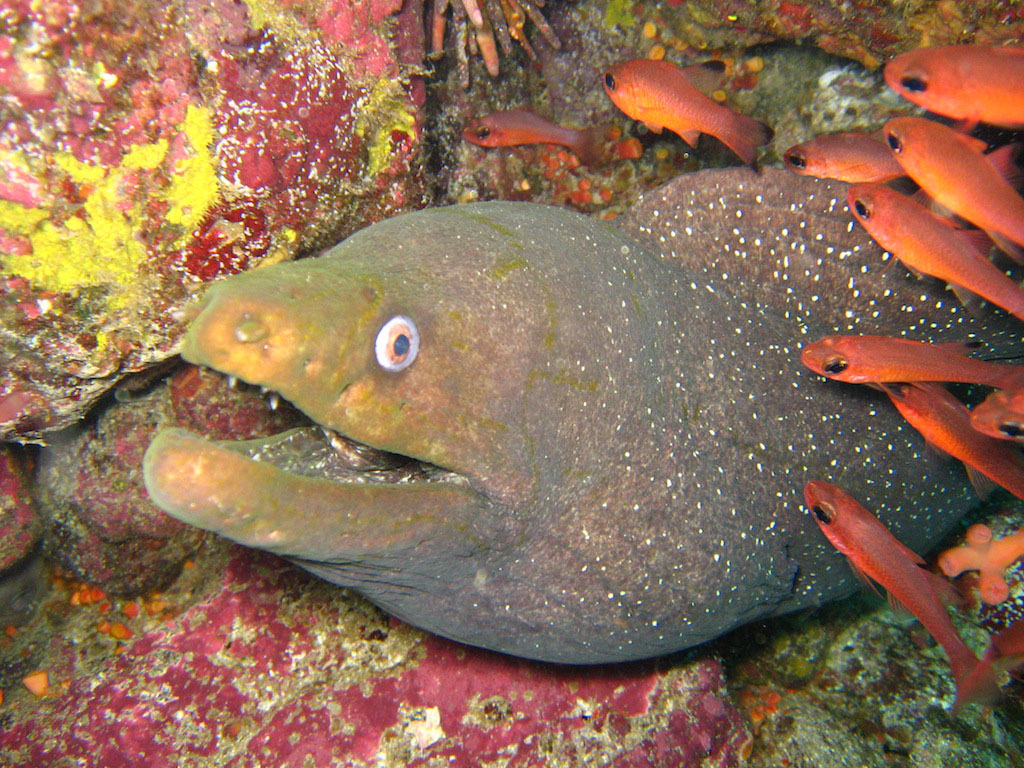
(313, 450)
(271, 492)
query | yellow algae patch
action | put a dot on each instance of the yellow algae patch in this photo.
(147, 156)
(619, 13)
(16, 218)
(99, 247)
(194, 189)
(102, 242)
(380, 113)
(260, 15)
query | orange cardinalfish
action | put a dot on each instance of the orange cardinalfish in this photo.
(945, 423)
(974, 83)
(662, 96)
(1001, 415)
(851, 157)
(881, 359)
(928, 244)
(512, 127)
(875, 553)
(953, 171)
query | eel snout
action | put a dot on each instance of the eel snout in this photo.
(203, 484)
(252, 338)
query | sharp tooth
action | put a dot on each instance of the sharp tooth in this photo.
(275, 400)
(232, 381)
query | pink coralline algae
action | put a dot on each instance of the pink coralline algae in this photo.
(270, 668)
(146, 148)
(101, 526)
(20, 527)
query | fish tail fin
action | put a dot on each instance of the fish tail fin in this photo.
(744, 136)
(975, 680)
(590, 146)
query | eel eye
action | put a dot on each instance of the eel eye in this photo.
(834, 365)
(397, 343)
(915, 84)
(823, 513)
(483, 132)
(795, 159)
(609, 81)
(862, 210)
(1011, 429)
(894, 142)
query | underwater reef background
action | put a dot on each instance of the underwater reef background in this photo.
(147, 149)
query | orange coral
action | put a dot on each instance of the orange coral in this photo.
(990, 557)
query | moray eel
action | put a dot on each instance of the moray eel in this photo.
(597, 450)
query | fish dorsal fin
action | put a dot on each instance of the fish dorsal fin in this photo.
(1004, 160)
(972, 143)
(964, 348)
(706, 76)
(690, 137)
(964, 125)
(910, 554)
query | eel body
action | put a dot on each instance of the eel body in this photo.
(598, 451)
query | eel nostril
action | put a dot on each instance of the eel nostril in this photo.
(249, 331)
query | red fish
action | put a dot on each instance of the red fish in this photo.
(974, 83)
(877, 359)
(875, 553)
(512, 127)
(851, 157)
(944, 422)
(928, 244)
(950, 167)
(1001, 415)
(1007, 646)
(662, 96)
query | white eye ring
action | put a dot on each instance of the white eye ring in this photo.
(397, 344)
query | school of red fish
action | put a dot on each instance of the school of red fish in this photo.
(967, 205)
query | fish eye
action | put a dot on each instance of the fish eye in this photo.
(834, 365)
(862, 210)
(609, 81)
(894, 142)
(483, 132)
(1011, 429)
(795, 159)
(915, 84)
(397, 344)
(823, 513)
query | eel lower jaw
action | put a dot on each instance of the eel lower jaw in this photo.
(275, 493)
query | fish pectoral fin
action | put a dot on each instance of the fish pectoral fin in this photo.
(897, 607)
(971, 301)
(983, 485)
(256, 504)
(864, 579)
